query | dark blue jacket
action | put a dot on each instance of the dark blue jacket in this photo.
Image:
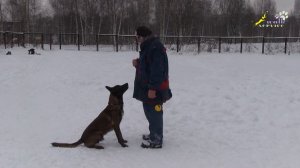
(152, 72)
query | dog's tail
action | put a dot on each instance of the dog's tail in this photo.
(68, 145)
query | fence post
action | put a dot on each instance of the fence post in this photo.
(23, 39)
(241, 45)
(18, 40)
(177, 43)
(263, 45)
(12, 40)
(4, 39)
(60, 41)
(219, 44)
(285, 45)
(199, 42)
(97, 42)
(78, 42)
(42, 42)
(50, 41)
(34, 38)
(117, 42)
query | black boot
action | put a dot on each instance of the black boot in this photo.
(151, 145)
(146, 137)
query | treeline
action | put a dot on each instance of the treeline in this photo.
(165, 17)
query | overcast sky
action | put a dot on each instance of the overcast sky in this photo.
(286, 5)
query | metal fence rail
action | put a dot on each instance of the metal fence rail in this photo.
(201, 43)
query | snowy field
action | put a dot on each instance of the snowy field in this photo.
(227, 111)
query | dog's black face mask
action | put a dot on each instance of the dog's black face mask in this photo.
(118, 90)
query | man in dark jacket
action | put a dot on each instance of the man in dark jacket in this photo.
(151, 85)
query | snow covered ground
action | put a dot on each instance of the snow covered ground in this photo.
(228, 110)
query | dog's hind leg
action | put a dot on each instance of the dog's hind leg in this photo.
(95, 146)
(98, 147)
(91, 145)
(92, 141)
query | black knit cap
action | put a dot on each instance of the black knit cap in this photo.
(143, 31)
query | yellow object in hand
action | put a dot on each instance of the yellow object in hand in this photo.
(157, 108)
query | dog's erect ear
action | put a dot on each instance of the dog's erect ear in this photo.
(108, 88)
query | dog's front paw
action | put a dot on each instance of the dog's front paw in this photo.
(124, 145)
(122, 142)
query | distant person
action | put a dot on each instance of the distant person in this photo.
(151, 84)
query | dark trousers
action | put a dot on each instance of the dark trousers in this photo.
(154, 115)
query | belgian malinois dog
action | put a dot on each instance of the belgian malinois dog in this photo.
(109, 119)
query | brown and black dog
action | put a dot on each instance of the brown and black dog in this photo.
(109, 119)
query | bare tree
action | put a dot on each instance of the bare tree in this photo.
(165, 17)
(261, 6)
(1, 15)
